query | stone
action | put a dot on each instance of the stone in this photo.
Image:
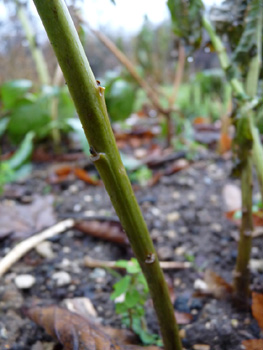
(215, 227)
(44, 249)
(62, 278)
(173, 217)
(200, 285)
(25, 281)
(256, 265)
(165, 253)
(180, 250)
(98, 274)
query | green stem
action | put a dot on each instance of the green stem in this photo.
(41, 67)
(223, 57)
(88, 97)
(241, 273)
(251, 90)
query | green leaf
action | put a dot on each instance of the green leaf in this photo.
(12, 91)
(23, 153)
(187, 20)
(29, 116)
(121, 287)
(133, 266)
(120, 97)
(132, 298)
(76, 125)
(3, 125)
(247, 46)
(130, 163)
(121, 309)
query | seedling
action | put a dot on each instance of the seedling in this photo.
(130, 295)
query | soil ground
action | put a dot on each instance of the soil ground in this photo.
(185, 216)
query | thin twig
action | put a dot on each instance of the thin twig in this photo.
(25, 246)
(166, 265)
(178, 75)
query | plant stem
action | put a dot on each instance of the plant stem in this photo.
(89, 100)
(150, 92)
(179, 74)
(41, 66)
(223, 57)
(251, 90)
(238, 89)
(241, 273)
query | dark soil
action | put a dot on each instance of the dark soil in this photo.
(185, 216)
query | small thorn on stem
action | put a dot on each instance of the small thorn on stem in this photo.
(150, 258)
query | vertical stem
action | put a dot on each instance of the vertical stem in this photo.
(257, 154)
(251, 89)
(179, 74)
(241, 273)
(41, 66)
(88, 97)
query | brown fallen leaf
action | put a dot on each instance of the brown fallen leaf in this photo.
(253, 344)
(24, 219)
(183, 317)
(84, 176)
(257, 308)
(217, 285)
(75, 332)
(107, 230)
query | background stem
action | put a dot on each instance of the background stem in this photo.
(89, 100)
(241, 273)
(41, 66)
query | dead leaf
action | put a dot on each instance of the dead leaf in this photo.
(216, 285)
(183, 317)
(257, 308)
(253, 344)
(224, 143)
(109, 231)
(76, 332)
(178, 165)
(22, 220)
(84, 176)
(63, 170)
(201, 120)
(232, 197)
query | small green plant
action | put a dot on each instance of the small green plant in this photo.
(130, 294)
(18, 165)
(27, 110)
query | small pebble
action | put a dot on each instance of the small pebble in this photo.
(183, 230)
(256, 265)
(62, 278)
(213, 199)
(200, 284)
(88, 198)
(176, 195)
(155, 211)
(165, 253)
(173, 217)
(77, 208)
(98, 273)
(170, 234)
(182, 333)
(44, 249)
(192, 197)
(180, 250)
(234, 323)
(215, 227)
(24, 281)
(73, 189)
